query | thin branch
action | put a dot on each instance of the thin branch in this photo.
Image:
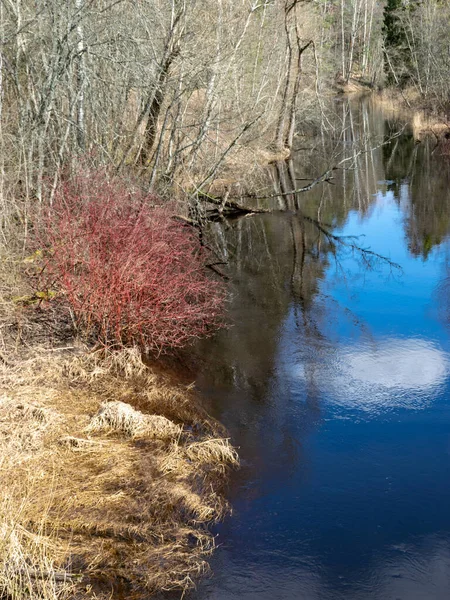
(325, 177)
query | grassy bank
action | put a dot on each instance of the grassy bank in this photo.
(110, 470)
(110, 474)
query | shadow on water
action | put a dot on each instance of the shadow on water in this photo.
(334, 378)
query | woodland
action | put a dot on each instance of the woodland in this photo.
(169, 92)
(185, 102)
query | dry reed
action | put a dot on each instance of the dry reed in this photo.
(120, 417)
(87, 491)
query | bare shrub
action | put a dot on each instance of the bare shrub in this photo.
(129, 272)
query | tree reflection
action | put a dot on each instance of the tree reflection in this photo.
(419, 177)
(278, 265)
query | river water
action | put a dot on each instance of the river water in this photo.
(334, 380)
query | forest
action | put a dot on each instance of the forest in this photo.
(177, 93)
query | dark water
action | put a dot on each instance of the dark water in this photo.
(335, 381)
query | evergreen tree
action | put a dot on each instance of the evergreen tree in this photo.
(397, 63)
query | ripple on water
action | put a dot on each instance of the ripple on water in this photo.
(387, 374)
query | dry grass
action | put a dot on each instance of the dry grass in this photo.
(31, 563)
(27, 566)
(217, 453)
(408, 105)
(119, 417)
(109, 472)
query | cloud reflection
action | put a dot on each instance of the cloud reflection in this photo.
(403, 364)
(387, 374)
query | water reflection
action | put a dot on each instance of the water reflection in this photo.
(417, 571)
(345, 487)
(390, 373)
(396, 365)
(418, 171)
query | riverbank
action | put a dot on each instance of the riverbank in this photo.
(110, 471)
(425, 120)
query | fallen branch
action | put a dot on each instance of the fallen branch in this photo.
(323, 228)
(233, 206)
(218, 272)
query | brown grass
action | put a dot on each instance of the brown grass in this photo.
(116, 416)
(105, 489)
(408, 105)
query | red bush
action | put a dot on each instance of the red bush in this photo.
(130, 273)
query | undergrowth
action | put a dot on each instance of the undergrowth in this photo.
(130, 273)
(110, 473)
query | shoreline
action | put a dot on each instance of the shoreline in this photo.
(111, 475)
(424, 120)
(406, 103)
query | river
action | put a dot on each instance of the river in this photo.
(334, 380)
